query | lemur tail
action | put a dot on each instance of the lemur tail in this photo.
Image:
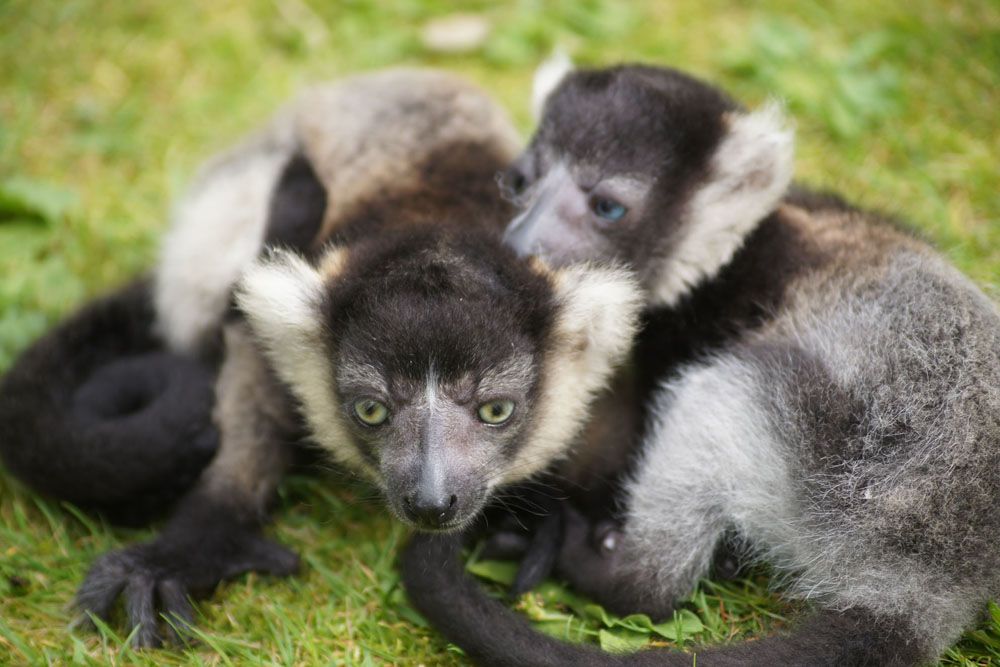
(491, 634)
(99, 413)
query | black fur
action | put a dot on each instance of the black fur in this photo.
(97, 413)
(297, 207)
(408, 284)
(205, 542)
(492, 634)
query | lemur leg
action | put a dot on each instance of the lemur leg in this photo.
(215, 532)
(709, 460)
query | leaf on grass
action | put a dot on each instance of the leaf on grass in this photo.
(684, 624)
(501, 572)
(622, 641)
(26, 199)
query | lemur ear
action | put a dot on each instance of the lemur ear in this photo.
(755, 159)
(281, 294)
(548, 75)
(598, 312)
(597, 316)
(748, 176)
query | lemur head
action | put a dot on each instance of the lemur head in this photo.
(440, 367)
(647, 166)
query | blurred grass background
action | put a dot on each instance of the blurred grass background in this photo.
(107, 107)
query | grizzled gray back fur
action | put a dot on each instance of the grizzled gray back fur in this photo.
(853, 441)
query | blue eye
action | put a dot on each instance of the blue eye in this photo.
(607, 209)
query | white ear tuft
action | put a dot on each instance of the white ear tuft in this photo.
(596, 320)
(548, 75)
(759, 151)
(748, 176)
(598, 308)
(280, 294)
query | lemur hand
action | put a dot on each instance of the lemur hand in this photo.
(197, 550)
(592, 561)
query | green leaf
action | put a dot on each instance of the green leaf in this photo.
(622, 641)
(501, 572)
(684, 624)
(26, 199)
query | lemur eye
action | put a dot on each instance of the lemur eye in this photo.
(371, 412)
(496, 412)
(513, 183)
(607, 209)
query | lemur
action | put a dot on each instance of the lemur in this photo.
(827, 388)
(401, 335)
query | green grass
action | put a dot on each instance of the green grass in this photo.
(106, 108)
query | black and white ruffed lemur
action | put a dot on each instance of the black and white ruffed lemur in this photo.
(387, 321)
(817, 383)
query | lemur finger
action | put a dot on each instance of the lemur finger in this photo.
(176, 609)
(263, 555)
(541, 556)
(102, 586)
(140, 608)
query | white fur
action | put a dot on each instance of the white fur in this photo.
(596, 321)
(712, 462)
(217, 230)
(750, 172)
(548, 75)
(282, 295)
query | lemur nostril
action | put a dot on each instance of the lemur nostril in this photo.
(454, 499)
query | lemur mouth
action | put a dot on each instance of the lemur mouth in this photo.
(450, 527)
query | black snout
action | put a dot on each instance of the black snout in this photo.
(430, 511)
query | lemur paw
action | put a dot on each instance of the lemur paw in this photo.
(157, 578)
(536, 548)
(589, 548)
(593, 562)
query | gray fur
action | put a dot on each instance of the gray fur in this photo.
(847, 429)
(854, 443)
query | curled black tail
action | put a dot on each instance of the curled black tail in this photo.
(491, 634)
(97, 412)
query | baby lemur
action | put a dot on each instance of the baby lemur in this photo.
(820, 384)
(418, 351)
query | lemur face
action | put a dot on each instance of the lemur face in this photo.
(441, 369)
(438, 432)
(613, 147)
(627, 161)
(437, 373)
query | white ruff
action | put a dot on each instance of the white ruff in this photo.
(750, 173)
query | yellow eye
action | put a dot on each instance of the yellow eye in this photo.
(371, 412)
(496, 412)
